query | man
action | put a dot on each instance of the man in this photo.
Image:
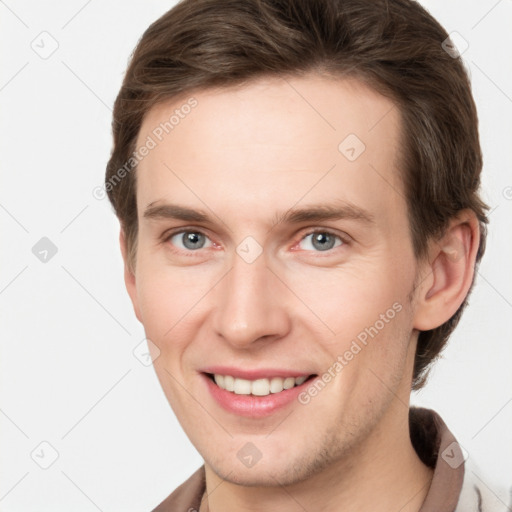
(297, 187)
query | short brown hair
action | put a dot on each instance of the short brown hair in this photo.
(395, 46)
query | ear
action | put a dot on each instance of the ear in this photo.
(129, 276)
(448, 272)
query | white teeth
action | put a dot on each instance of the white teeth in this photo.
(242, 387)
(229, 383)
(258, 387)
(300, 380)
(288, 383)
(276, 385)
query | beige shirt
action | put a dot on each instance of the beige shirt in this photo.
(436, 446)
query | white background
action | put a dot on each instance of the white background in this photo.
(68, 373)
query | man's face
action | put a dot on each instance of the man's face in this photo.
(249, 294)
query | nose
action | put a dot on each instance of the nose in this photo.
(250, 305)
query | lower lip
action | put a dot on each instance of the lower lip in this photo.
(253, 406)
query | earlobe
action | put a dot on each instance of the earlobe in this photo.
(129, 275)
(450, 272)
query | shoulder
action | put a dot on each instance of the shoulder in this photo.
(479, 494)
(186, 497)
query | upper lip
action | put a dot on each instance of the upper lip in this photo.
(255, 373)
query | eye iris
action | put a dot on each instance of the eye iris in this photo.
(321, 238)
(193, 240)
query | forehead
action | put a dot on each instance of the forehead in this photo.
(273, 142)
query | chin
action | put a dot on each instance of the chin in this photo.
(269, 473)
(252, 477)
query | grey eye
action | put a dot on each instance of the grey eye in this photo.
(321, 241)
(190, 240)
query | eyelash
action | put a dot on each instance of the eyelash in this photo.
(167, 236)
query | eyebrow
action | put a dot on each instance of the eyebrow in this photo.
(313, 213)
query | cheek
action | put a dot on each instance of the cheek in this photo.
(372, 366)
(166, 297)
(350, 299)
(367, 311)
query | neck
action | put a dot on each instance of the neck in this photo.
(384, 474)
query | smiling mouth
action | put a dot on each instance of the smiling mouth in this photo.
(257, 387)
